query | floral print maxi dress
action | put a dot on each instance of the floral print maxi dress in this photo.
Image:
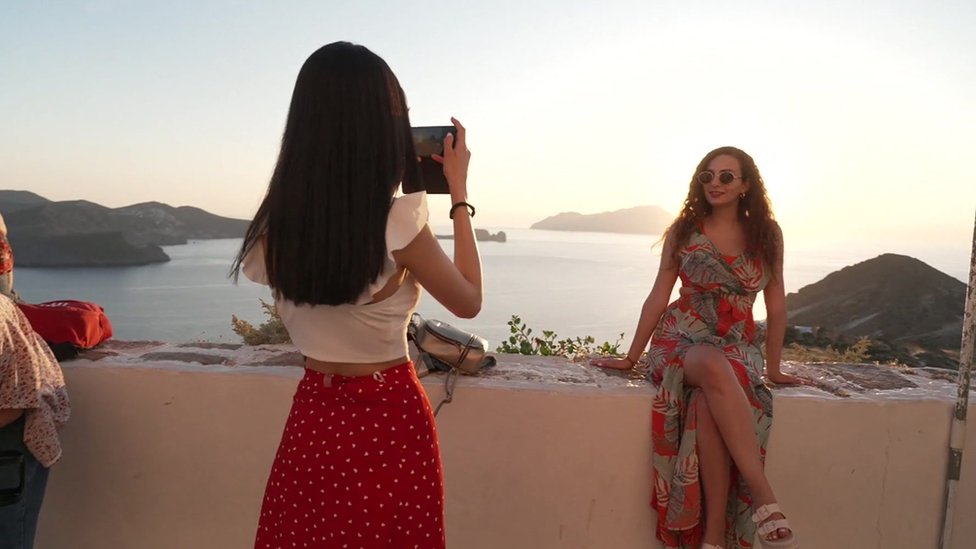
(714, 308)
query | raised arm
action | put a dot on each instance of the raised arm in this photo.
(654, 306)
(457, 284)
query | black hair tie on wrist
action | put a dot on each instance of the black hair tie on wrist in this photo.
(464, 204)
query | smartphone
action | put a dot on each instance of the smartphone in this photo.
(427, 141)
(12, 472)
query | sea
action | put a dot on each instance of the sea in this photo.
(575, 284)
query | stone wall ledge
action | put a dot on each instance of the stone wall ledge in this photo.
(169, 445)
(521, 372)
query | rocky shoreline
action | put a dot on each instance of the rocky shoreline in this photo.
(78, 233)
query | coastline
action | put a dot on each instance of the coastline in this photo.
(575, 284)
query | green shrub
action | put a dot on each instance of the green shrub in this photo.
(269, 332)
(522, 342)
(856, 353)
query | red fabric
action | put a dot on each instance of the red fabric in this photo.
(6, 256)
(714, 309)
(358, 466)
(80, 323)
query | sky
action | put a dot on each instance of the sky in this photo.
(860, 115)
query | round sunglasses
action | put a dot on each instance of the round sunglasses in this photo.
(724, 177)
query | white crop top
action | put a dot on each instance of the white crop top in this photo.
(360, 332)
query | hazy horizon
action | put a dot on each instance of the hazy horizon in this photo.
(859, 117)
(949, 255)
(957, 241)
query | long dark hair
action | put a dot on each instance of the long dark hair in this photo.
(346, 146)
(755, 212)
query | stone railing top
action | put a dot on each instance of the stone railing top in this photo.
(826, 380)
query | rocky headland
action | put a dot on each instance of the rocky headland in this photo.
(78, 233)
(910, 313)
(481, 235)
(637, 220)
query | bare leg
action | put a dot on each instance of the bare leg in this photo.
(706, 367)
(714, 463)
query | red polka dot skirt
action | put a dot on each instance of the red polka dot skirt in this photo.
(358, 467)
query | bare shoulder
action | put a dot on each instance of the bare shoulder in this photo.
(669, 250)
(777, 231)
(778, 247)
(418, 249)
(671, 239)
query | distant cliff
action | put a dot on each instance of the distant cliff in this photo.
(75, 233)
(481, 235)
(910, 309)
(638, 220)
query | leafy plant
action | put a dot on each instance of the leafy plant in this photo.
(856, 353)
(524, 343)
(269, 332)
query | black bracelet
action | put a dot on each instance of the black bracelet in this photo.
(460, 204)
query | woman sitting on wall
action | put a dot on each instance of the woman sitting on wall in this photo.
(712, 411)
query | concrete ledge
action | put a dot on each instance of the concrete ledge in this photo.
(167, 454)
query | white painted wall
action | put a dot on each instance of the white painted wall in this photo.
(161, 458)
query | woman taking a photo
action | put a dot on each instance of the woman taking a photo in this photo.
(345, 257)
(712, 412)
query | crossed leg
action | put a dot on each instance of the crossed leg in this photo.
(714, 466)
(728, 411)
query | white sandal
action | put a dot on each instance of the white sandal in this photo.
(766, 527)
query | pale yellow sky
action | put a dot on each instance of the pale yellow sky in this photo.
(859, 118)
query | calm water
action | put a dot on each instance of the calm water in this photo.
(576, 284)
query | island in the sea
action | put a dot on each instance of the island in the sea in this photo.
(78, 233)
(481, 235)
(637, 220)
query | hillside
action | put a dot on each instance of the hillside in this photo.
(45, 233)
(11, 201)
(892, 298)
(637, 220)
(84, 250)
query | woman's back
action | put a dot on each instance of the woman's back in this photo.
(335, 333)
(345, 261)
(330, 238)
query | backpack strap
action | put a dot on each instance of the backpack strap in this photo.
(449, 382)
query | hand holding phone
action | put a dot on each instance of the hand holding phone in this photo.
(455, 160)
(428, 143)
